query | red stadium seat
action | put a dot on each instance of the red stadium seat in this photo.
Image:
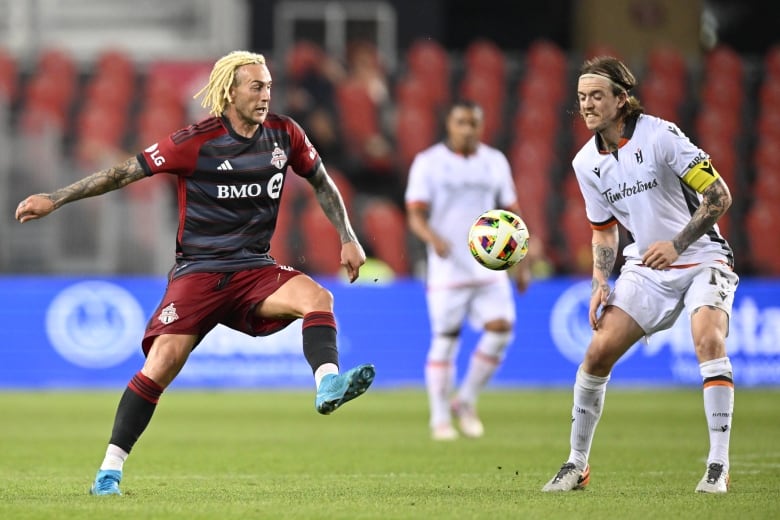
(428, 60)
(546, 58)
(54, 82)
(766, 186)
(769, 93)
(667, 62)
(415, 130)
(111, 90)
(116, 64)
(40, 118)
(359, 114)
(100, 129)
(772, 63)
(9, 76)
(103, 122)
(578, 235)
(719, 124)
(662, 89)
(57, 62)
(46, 90)
(532, 154)
(175, 81)
(767, 153)
(156, 120)
(412, 91)
(724, 92)
(768, 123)
(489, 94)
(761, 224)
(540, 121)
(541, 89)
(533, 192)
(484, 57)
(724, 62)
(384, 230)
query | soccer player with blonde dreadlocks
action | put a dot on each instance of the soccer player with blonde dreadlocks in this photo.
(231, 169)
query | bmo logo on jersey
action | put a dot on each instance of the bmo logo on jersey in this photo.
(242, 191)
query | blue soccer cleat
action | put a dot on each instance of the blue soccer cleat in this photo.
(106, 482)
(337, 389)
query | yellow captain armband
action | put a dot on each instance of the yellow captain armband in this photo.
(701, 175)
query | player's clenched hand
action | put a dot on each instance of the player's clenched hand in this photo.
(34, 207)
(660, 255)
(352, 257)
(597, 301)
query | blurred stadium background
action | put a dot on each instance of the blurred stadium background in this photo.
(84, 83)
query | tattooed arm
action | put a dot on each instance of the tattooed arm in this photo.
(605, 248)
(716, 200)
(329, 198)
(40, 205)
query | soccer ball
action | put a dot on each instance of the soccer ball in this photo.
(498, 239)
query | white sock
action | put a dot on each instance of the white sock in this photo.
(115, 458)
(589, 393)
(440, 377)
(718, 407)
(323, 370)
(438, 382)
(483, 364)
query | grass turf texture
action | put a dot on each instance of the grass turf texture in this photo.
(224, 455)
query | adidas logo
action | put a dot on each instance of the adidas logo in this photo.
(225, 165)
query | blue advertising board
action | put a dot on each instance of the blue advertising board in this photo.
(76, 332)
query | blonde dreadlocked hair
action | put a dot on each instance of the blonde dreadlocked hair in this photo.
(216, 94)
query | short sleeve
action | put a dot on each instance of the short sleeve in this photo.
(676, 149)
(169, 156)
(304, 158)
(417, 189)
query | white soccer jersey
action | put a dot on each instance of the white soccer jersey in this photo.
(457, 189)
(641, 187)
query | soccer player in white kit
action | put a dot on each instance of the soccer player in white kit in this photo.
(643, 173)
(450, 184)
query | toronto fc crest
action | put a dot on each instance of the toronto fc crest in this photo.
(168, 315)
(278, 157)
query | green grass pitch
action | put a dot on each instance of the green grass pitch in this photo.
(226, 455)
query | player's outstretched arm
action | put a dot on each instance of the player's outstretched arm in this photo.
(39, 205)
(352, 254)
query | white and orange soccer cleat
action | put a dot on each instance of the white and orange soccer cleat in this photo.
(569, 478)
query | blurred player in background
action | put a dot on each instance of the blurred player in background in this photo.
(642, 172)
(231, 169)
(450, 184)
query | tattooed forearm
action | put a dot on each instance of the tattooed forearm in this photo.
(98, 183)
(332, 204)
(717, 200)
(603, 260)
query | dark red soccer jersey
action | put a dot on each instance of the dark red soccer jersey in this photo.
(229, 188)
